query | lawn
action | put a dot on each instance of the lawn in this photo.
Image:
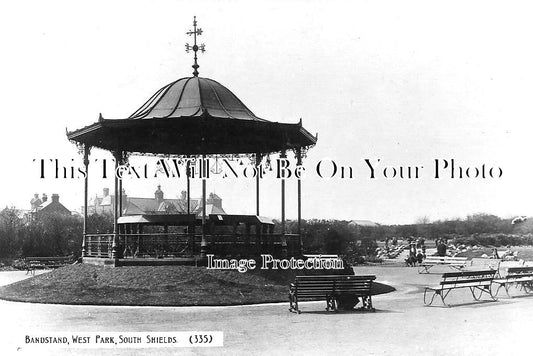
(524, 252)
(154, 285)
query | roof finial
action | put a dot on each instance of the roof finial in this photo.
(195, 47)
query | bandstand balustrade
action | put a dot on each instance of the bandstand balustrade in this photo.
(169, 245)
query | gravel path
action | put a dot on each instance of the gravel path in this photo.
(401, 325)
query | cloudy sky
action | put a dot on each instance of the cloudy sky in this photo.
(406, 82)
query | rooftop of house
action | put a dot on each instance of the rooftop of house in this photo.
(159, 204)
(44, 204)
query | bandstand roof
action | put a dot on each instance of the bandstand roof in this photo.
(193, 116)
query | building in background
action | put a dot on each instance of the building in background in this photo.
(44, 206)
(157, 205)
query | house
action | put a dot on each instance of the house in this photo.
(157, 205)
(44, 206)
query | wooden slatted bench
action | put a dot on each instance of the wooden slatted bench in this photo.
(333, 288)
(431, 261)
(519, 277)
(477, 281)
(32, 263)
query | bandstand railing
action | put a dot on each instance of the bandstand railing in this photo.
(156, 245)
(168, 245)
(98, 245)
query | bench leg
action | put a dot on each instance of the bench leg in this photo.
(331, 303)
(295, 308)
(473, 291)
(423, 269)
(290, 302)
(528, 288)
(489, 290)
(293, 304)
(481, 290)
(500, 285)
(525, 286)
(435, 293)
(443, 296)
(367, 303)
(432, 297)
(507, 287)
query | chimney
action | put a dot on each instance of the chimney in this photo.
(106, 192)
(44, 198)
(55, 198)
(158, 195)
(35, 202)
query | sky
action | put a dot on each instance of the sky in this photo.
(405, 82)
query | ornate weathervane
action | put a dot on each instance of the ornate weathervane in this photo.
(195, 47)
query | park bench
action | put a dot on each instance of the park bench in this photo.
(519, 277)
(431, 261)
(477, 281)
(336, 289)
(32, 263)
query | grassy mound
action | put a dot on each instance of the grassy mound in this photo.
(154, 285)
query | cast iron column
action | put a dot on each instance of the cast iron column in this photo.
(257, 167)
(120, 198)
(203, 244)
(283, 155)
(86, 151)
(188, 186)
(299, 182)
(114, 246)
(190, 227)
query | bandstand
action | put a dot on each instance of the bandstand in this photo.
(192, 118)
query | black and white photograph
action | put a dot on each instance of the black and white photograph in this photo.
(266, 177)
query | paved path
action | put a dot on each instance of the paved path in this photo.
(401, 325)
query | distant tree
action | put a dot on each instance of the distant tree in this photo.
(335, 242)
(11, 225)
(378, 233)
(525, 227)
(53, 235)
(100, 223)
(485, 223)
(423, 220)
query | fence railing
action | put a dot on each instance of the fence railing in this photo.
(163, 245)
(98, 245)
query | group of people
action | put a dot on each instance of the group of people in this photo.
(442, 245)
(417, 251)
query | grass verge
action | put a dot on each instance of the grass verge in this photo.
(154, 285)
